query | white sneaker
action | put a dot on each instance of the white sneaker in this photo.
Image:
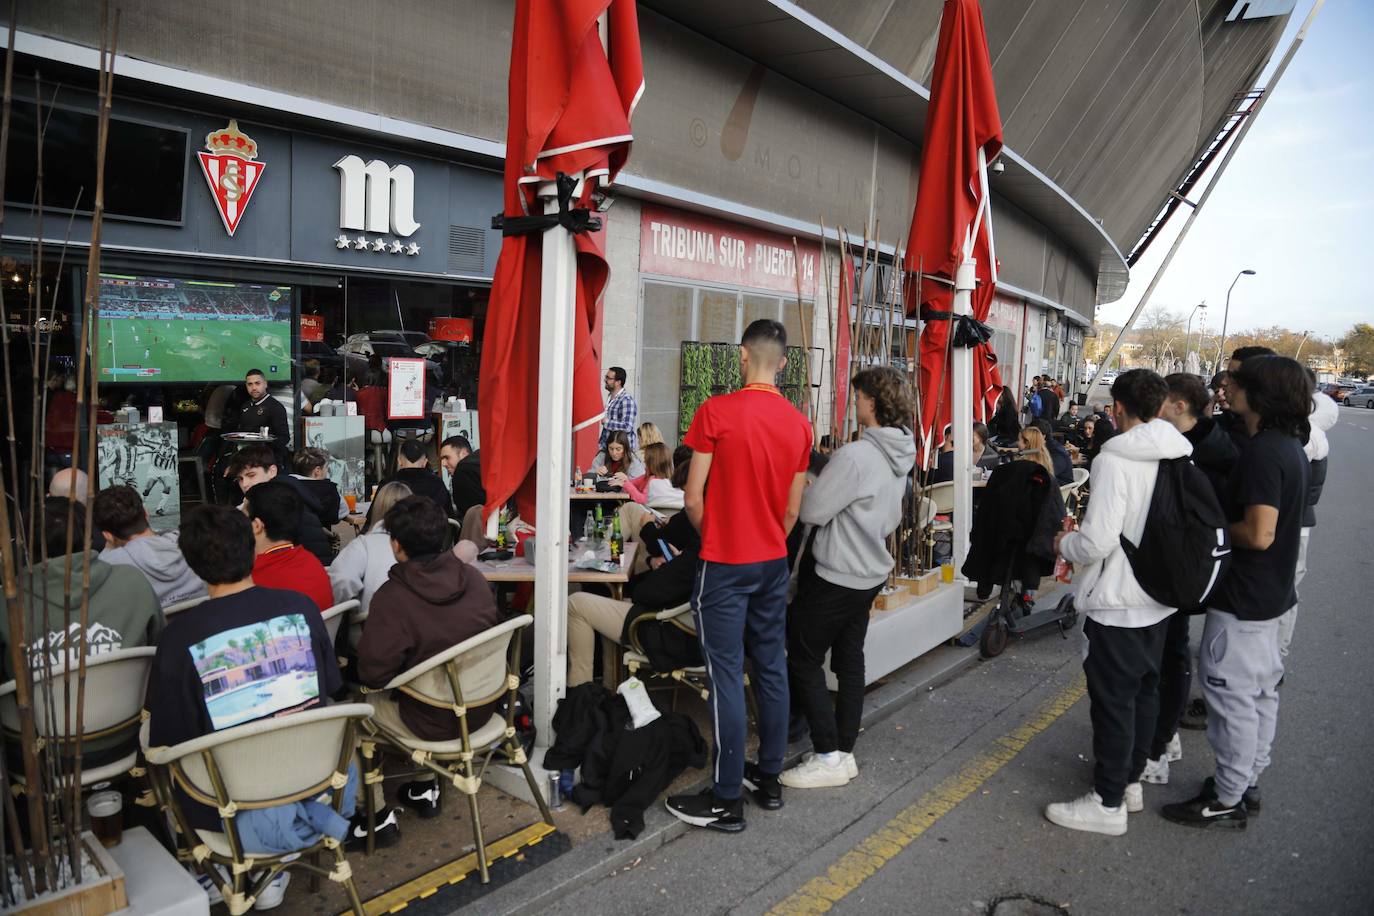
(1174, 749)
(211, 889)
(272, 895)
(851, 766)
(1134, 798)
(1156, 772)
(1088, 813)
(815, 773)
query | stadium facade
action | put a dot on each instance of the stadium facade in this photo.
(378, 137)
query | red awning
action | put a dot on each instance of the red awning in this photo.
(571, 98)
(961, 120)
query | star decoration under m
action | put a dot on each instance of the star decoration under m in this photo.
(342, 241)
(396, 246)
(379, 244)
(360, 243)
(413, 248)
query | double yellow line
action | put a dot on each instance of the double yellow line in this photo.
(880, 847)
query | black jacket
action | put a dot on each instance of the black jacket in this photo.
(310, 532)
(1018, 515)
(1063, 464)
(426, 483)
(1214, 453)
(270, 413)
(466, 484)
(667, 645)
(1316, 479)
(1005, 425)
(622, 768)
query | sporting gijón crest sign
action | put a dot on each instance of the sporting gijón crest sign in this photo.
(231, 171)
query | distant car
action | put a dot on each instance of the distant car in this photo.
(1360, 397)
(329, 358)
(1341, 390)
(412, 338)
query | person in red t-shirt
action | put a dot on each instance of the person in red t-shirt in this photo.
(755, 447)
(275, 510)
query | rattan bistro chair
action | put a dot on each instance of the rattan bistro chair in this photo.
(258, 765)
(474, 673)
(336, 615)
(637, 660)
(115, 683)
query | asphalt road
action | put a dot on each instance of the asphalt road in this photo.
(945, 816)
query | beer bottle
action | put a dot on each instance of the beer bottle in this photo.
(617, 543)
(502, 533)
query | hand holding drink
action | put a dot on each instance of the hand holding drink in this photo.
(1063, 569)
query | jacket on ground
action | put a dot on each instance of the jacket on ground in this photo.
(1123, 482)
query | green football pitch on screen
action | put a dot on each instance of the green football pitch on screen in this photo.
(180, 350)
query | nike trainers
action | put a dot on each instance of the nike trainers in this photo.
(422, 796)
(706, 810)
(211, 888)
(274, 893)
(851, 766)
(1251, 798)
(767, 791)
(1156, 772)
(1206, 810)
(815, 773)
(1174, 749)
(1134, 799)
(1089, 814)
(387, 831)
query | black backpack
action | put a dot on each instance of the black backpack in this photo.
(1186, 547)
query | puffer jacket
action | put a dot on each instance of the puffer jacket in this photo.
(1123, 482)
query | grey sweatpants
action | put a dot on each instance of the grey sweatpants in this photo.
(1290, 617)
(1240, 667)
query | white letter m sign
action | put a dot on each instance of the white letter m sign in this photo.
(376, 197)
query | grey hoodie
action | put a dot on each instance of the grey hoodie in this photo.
(856, 503)
(159, 559)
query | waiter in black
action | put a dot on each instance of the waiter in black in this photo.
(264, 410)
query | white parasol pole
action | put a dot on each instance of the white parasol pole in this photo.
(553, 470)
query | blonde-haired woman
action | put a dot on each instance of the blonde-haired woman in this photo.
(648, 435)
(361, 567)
(1032, 444)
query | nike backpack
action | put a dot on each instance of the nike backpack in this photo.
(1186, 547)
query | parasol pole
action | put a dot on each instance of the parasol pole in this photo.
(806, 341)
(553, 467)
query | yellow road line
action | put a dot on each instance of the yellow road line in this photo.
(878, 848)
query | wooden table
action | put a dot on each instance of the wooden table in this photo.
(518, 569)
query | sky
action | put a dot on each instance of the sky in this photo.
(1296, 203)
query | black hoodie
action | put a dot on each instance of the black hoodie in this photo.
(1214, 453)
(427, 605)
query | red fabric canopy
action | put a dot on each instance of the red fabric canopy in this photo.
(961, 120)
(569, 111)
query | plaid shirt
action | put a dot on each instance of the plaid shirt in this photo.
(621, 413)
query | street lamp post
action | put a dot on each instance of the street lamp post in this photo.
(1221, 345)
(1188, 335)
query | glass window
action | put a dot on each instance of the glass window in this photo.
(667, 321)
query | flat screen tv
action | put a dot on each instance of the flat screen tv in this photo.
(151, 329)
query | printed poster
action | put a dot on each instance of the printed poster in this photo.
(406, 395)
(342, 439)
(143, 456)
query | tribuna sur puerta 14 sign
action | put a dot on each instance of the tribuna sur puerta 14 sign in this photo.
(231, 172)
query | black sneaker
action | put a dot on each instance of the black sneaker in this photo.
(387, 831)
(706, 810)
(767, 791)
(423, 797)
(1195, 716)
(1206, 811)
(1251, 798)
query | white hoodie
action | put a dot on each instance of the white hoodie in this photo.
(1123, 482)
(1324, 415)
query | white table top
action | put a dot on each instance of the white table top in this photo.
(153, 880)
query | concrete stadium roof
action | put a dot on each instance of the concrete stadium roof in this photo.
(796, 44)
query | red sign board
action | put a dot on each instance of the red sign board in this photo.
(675, 243)
(312, 327)
(458, 330)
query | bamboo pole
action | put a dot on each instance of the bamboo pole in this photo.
(830, 335)
(806, 346)
(92, 299)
